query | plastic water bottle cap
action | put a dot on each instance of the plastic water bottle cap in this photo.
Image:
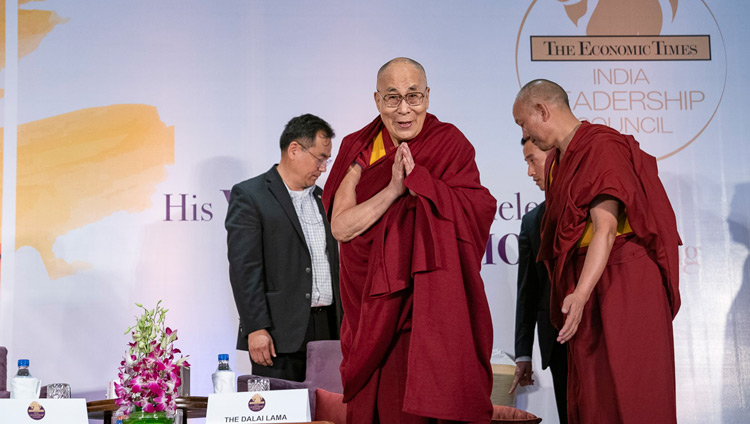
(223, 356)
(23, 362)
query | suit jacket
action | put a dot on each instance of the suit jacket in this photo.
(532, 305)
(270, 266)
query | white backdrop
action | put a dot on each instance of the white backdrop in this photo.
(130, 118)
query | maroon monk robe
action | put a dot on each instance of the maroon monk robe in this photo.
(415, 273)
(621, 360)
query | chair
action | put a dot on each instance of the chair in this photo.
(4, 393)
(510, 415)
(323, 361)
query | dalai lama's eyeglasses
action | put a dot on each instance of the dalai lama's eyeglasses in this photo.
(324, 162)
(393, 100)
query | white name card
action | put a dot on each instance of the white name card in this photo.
(274, 406)
(44, 411)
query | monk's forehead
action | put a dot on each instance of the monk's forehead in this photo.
(401, 75)
(520, 106)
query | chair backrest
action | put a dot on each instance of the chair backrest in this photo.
(323, 362)
(3, 368)
(3, 371)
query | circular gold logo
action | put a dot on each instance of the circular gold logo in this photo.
(654, 69)
(256, 403)
(36, 411)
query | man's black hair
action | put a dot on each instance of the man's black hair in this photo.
(303, 130)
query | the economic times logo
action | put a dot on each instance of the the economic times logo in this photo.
(655, 69)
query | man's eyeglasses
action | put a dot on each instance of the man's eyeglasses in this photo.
(324, 162)
(393, 100)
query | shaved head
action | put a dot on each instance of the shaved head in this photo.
(542, 111)
(542, 90)
(399, 60)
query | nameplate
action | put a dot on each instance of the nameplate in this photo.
(274, 406)
(44, 411)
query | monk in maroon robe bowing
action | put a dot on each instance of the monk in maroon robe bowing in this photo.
(406, 203)
(609, 241)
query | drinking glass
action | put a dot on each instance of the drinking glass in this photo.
(58, 391)
(258, 384)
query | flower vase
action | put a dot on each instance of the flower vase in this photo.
(140, 417)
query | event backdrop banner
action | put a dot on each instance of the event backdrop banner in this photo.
(126, 123)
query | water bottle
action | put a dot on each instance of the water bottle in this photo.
(23, 385)
(23, 368)
(223, 377)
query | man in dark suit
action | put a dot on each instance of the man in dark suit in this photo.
(283, 261)
(532, 307)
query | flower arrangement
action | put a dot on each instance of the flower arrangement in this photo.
(149, 374)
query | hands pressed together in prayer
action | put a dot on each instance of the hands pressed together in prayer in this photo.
(403, 164)
(523, 375)
(350, 219)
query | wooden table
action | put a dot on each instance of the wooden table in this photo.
(191, 407)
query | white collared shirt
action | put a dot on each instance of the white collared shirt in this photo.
(315, 235)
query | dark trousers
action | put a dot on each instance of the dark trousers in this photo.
(558, 364)
(292, 366)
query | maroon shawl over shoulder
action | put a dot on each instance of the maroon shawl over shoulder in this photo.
(418, 267)
(600, 160)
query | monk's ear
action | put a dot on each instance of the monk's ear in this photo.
(543, 110)
(376, 95)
